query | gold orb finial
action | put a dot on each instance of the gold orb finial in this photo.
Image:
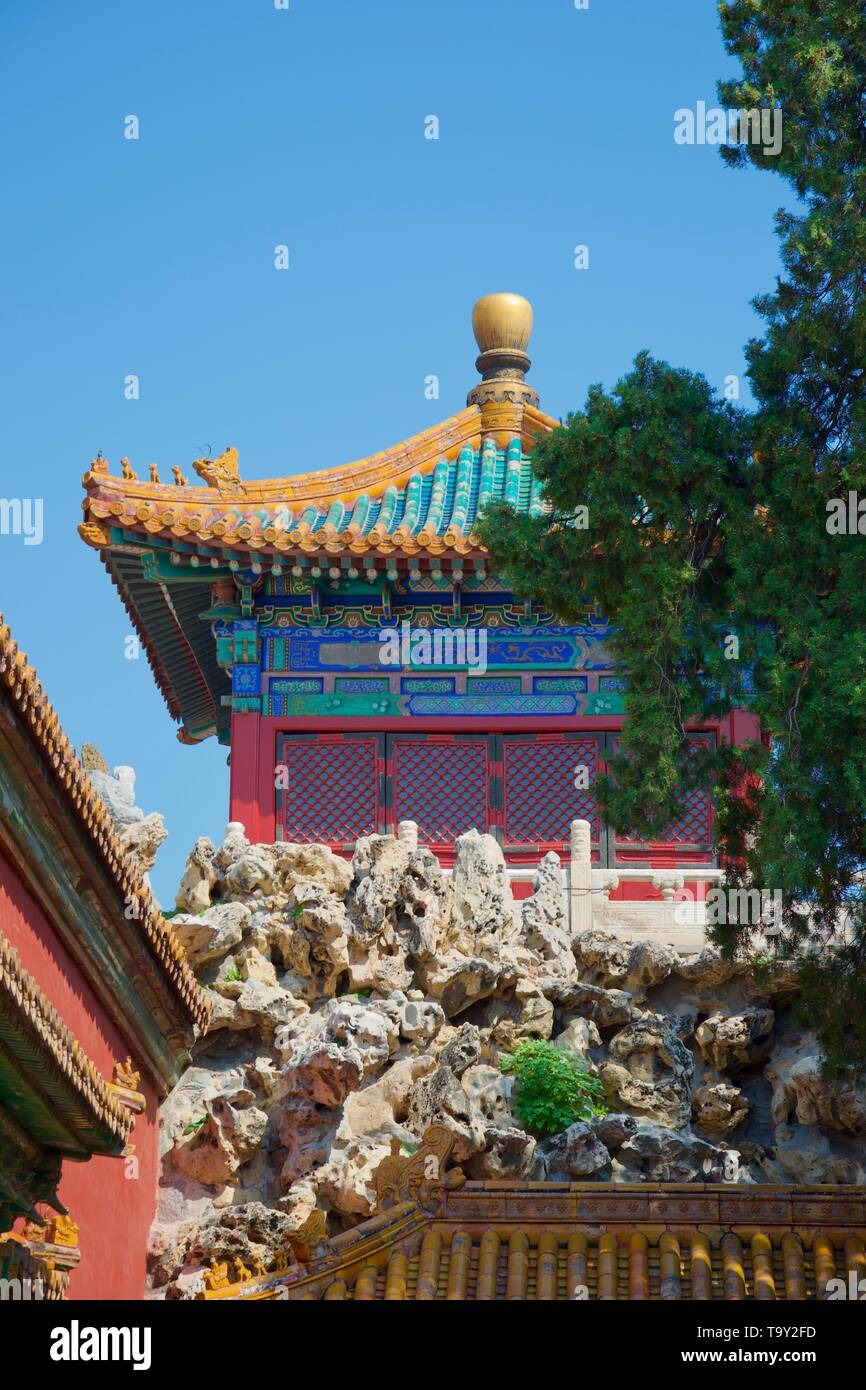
(502, 324)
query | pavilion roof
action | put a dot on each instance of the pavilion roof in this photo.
(422, 495)
(412, 506)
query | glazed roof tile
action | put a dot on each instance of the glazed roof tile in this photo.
(75, 1107)
(531, 1241)
(22, 688)
(423, 494)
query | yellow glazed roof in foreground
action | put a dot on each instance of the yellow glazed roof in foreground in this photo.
(23, 690)
(533, 1241)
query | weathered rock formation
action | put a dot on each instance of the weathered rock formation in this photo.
(140, 834)
(357, 1004)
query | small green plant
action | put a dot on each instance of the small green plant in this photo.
(552, 1088)
(195, 1125)
(233, 974)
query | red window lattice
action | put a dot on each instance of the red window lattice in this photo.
(442, 784)
(694, 826)
(331, 791)
(540, 796)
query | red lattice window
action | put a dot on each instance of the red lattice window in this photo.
(543, 788)
(695, 825)
(331, 794)
(442, 783)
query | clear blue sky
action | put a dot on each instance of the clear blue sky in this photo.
(306, 127)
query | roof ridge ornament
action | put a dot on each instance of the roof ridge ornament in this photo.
(502, 324)
(221, 473)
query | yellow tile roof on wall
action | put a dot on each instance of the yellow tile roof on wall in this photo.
(24, 690)
(27, 1014)
(594, 1241)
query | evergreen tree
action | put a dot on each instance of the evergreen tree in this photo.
(719, 544)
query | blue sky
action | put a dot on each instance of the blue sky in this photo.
(305, 127)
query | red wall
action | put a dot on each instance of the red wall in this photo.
(111, 1202)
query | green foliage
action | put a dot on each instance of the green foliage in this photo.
(705, 521)
(195, 1125)
(552, 1089)
(233, 974)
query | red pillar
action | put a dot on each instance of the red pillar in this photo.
(251, 794)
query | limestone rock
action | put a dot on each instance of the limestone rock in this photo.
(805, 1155)
(212, 934)
(815, 1100)
(484, 904)
(324, 1073)
(738, 1040)
(612, 962)
(356, 1004)
(251, 872)
(580, 1035)
(720, 1108)
(576, 1153)
(218, 1148)
(613, 1129)
(658, 1154)
(312, 863)
(253, 1007)
(312, 937)
(508, 1152)
(544, 926)
(650, 1072)
(608, 1008)
(234, 844)
(142, 838)
(141, 835)
(458, 981)
(420, 1020)
(199, 877)
(708, 969)
(117, 794)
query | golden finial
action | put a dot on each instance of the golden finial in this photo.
(502, 324)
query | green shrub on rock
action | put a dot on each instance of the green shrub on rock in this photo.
(552, 1088)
